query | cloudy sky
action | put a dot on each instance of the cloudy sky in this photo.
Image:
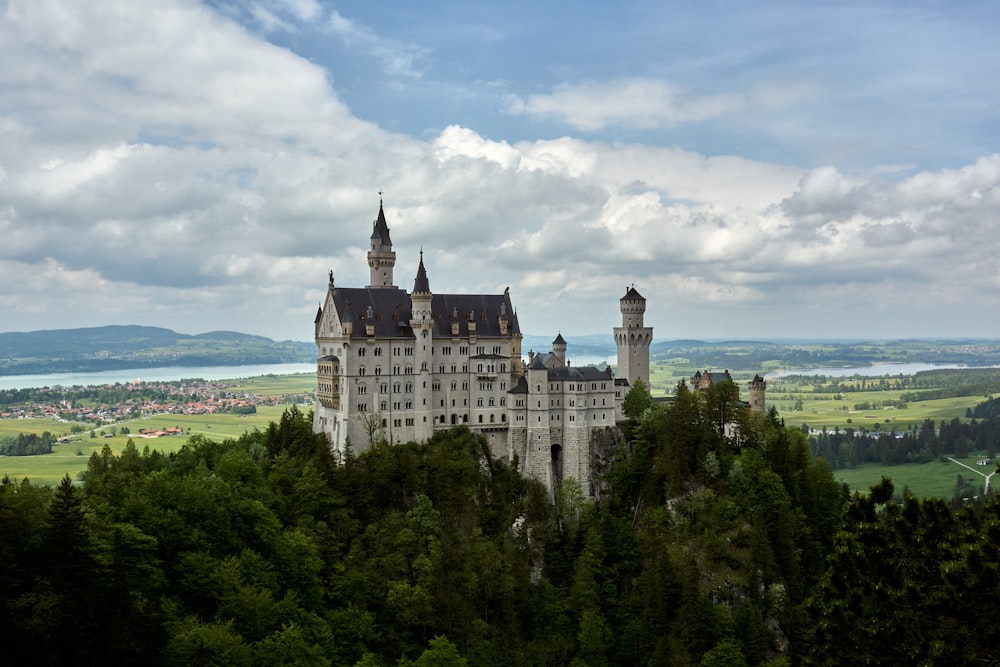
(758, 170)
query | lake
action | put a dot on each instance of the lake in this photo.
(161, 374)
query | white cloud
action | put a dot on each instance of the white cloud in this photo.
(169, 167)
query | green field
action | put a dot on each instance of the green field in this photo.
(936, 478)
(65, 459)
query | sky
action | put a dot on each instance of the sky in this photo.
(765, 170)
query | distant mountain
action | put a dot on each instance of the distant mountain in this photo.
(130, 346)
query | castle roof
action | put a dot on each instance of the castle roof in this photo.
(421, 284)
(579, 374)
(632, 295)
(757, 378)
(390, 309)
(559, 340)
(381, 228)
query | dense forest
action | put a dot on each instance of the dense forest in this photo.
(265, 551)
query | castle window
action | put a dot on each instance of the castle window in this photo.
(409, 387)
(492, 418)
(446, 349)
(441, 369)
(493, 401)
(503, 417)
(454, 368)
(383, 387)
(408, 370)
(395, 406)
(479, 402)
(384, 405)
(377, 352)
(454, 385)
(409, 405)
(378, 370)
(423, 365)
(436, 385)
(480, 349)
(362, 389)
(503, 368)
(361, 351)
(361, 370)
(362, 407)
(463, 349)
(497, 349)
(408, 351)
(395, 370)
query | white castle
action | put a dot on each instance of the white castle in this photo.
(400, 366)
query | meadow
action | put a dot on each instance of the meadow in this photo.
(71, 458)
(935, 478)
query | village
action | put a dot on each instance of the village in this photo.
(109, 404)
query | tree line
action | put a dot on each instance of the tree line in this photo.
(704, 545)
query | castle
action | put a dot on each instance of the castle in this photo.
(399, 366)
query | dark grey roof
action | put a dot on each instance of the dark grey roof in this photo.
(421, 284)
(757, 378)
(329, 357)
(381, 230)
(559, 340)
(521, 387)
(632, 295)
(579, 374)
(319, 314)
(389, 309)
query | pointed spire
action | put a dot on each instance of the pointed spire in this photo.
(421, 284)
(381, 227)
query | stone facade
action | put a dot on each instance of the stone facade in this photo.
(399, 366)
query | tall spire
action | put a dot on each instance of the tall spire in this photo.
(380, 229)
(381, 258)
(421, 285)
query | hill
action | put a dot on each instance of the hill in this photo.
(130, 346)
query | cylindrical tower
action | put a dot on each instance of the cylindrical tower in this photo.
(633, 339)
(757, 390)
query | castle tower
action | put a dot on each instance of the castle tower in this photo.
(559, 348)
(633, 339)
(381, 258)
(422, 323)
(757, 389)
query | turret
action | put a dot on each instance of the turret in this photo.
(757, 390)
(559, 348)
(633, 339)
(381, 258)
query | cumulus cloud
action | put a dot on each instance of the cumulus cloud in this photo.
(171, 167)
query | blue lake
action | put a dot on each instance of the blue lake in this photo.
(162, 374)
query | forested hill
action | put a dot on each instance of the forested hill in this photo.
(131, 346)
(264, 551)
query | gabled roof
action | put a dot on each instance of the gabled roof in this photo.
(381, 230)
(389, 310)
(579, 374)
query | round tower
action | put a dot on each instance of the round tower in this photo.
(633, 339)
(381, 258)
(559, 348)
(757, 390)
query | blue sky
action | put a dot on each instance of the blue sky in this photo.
(765, 170)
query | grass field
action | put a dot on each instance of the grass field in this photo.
(935, 478)
(71, 458)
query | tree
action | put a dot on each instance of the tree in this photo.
(637, 400)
